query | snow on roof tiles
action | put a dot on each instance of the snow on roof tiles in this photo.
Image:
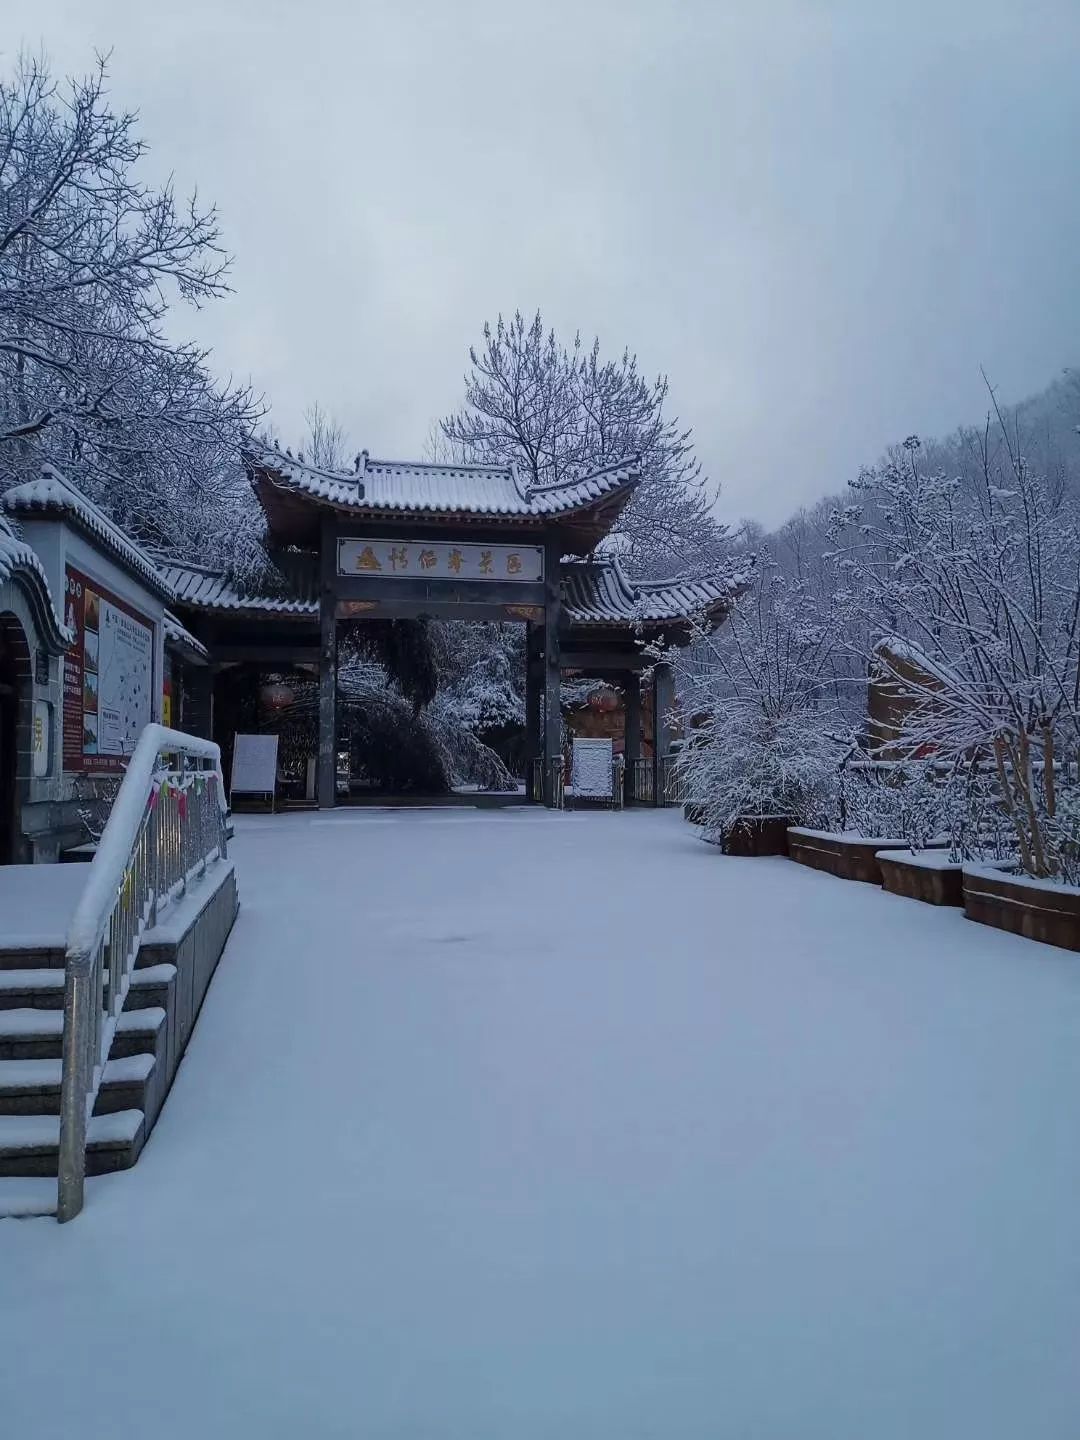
(178, 634)
(599, 592)
(207, 589)
(51, 494)
(595, 592)
(17, 558)
(397, 486)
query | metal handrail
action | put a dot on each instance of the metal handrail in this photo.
(166, 824)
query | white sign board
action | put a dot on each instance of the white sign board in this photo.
(42, 737)
(125, 666)
(439, 560)
(592, 773)
(254, 765)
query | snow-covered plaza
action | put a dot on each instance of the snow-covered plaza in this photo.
(526, 1124)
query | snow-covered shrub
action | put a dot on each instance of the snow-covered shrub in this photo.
(765, 740)
(890, 801)
(976, 586)
(743, 765)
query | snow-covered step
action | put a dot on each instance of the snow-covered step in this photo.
(32, 1087)
(23, 1196)
(29, 1144)
(38, 988)
(151, 986)
(32, 1034)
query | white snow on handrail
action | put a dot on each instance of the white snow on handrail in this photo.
(106, 870)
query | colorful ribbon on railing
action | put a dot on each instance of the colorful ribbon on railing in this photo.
(166, 785)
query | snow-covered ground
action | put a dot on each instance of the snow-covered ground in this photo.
(517, 1125)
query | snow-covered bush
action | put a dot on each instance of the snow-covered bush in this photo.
(765, 740)
(976, 589)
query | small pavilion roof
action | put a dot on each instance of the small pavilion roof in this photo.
(412, 491)
(599, 592)
(51, 494)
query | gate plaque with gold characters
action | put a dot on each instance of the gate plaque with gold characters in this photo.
(439, 560)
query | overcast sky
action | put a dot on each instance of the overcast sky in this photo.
(818, 218)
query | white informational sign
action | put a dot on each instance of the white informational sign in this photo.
(42, 738)
(125, 670)
(592, 773)
(254, 765)
(440, 560)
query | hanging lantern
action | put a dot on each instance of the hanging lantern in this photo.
(276, 696)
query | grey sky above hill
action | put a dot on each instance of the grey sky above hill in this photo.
(819, 218)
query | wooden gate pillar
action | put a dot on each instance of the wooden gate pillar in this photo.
(631, 734)
(663, 700)
(534, 714)
(327, 786)
(552, 696)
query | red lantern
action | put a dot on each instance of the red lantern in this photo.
(603, 702)
(276, 697)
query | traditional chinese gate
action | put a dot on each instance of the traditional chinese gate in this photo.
(401, 540)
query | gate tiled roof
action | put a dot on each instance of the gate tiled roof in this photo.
(410, 487)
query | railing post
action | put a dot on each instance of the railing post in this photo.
(71, 1165)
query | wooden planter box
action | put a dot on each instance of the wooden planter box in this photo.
(850, 857)
(1039, 909)
(764, 835)
(928, 876)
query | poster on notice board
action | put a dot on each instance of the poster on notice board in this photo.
(108, 676)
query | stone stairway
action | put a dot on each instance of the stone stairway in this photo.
(173, 969)
(31, 1035)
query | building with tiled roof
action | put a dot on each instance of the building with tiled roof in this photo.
(391, 540)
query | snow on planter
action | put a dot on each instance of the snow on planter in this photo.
(841, 853)
(927, 875)
(1045, 910)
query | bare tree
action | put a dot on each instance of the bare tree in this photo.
(561, 411)
(91, 258)
(326, 444)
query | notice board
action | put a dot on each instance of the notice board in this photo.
(108, 676)
(254, 765)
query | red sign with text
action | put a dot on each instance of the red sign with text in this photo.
(108, 676)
